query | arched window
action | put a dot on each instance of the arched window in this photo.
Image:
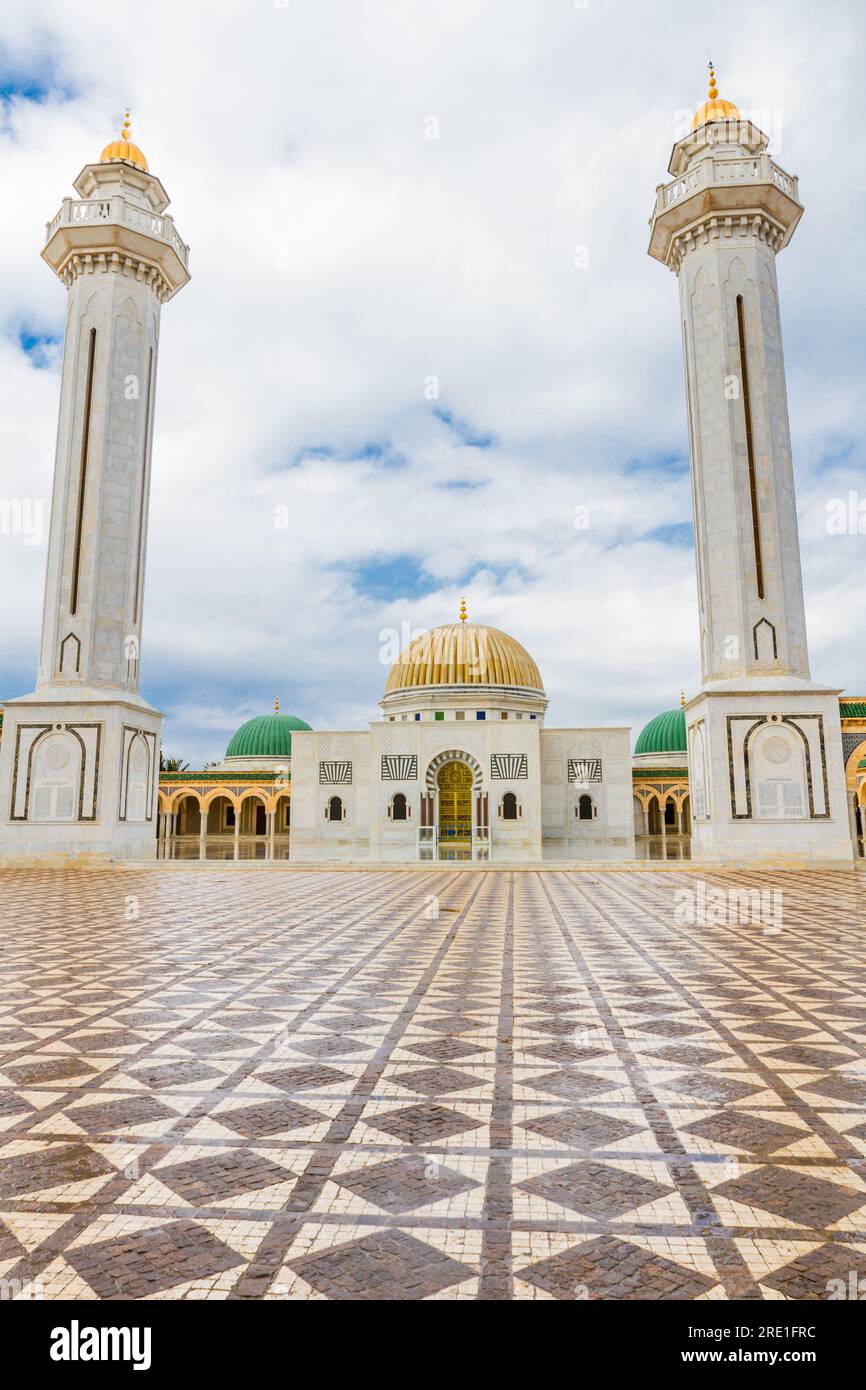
(335, 808)
(398, 807)
(509, 806)
(585, 808)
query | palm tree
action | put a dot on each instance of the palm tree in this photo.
(171, 764)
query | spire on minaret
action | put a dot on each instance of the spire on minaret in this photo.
(123, 148)
(715, 108)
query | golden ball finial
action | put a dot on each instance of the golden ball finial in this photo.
(463, 614)
(276, 704)
(123, 148)
(715, 108)
(682, 697)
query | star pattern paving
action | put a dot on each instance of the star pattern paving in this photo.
(281, 1084)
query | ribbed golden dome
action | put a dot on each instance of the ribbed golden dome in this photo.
(124, 149)
(464, 654)
(715, 108)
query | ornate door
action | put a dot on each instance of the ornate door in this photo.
(455, 803)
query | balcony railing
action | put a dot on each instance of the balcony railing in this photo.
(712, 171)
(117, 209)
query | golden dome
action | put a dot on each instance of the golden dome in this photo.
(124, 149)
(715, 108)
(463, 653)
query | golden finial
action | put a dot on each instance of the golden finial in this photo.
(123, 148)
(715, 108)
(682, 697)
(276, 704)
(463, 614)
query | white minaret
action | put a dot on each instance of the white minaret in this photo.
(79, 759)
(765, 751)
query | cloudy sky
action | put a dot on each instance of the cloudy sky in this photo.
(390, 198)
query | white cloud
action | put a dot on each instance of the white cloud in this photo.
(339, 258)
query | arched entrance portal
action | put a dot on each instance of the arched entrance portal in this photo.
(454, 818)
(454, 783)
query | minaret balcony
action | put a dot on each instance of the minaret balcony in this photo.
(724, 187)
(112, 230)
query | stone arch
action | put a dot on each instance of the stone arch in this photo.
(854, 758)
(214, 793)
(761, 738)
(253, 818)
(764, 641)
(282, 809)
(453, 755)
(187, 823)
(173, 797)
(209, 806)
(54, 775)
(138, 756)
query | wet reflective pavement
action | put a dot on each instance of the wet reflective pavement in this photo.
(431, 1084)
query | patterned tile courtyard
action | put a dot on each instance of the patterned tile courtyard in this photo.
(250, 1082)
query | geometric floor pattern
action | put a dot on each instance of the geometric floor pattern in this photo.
(254, 1082)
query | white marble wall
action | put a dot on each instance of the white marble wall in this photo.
(711, 278)
(546, 800)
(610, 834)
(734, 730)
(105, 631)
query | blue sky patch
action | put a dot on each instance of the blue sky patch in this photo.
(672, 464)
(680, 533)
(32, 78)
(388, 577)
(43, 349)
(465, 433)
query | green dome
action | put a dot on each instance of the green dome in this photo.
(664, 734)
(266, 736)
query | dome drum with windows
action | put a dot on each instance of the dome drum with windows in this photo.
(467, 669)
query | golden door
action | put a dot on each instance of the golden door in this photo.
(455, 802)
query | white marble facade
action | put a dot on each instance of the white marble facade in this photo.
(541, 775)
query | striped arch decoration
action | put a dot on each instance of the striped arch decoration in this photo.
(335, 773)
(584, 770)
(453, 756)
(509, 767)
(399, 767)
